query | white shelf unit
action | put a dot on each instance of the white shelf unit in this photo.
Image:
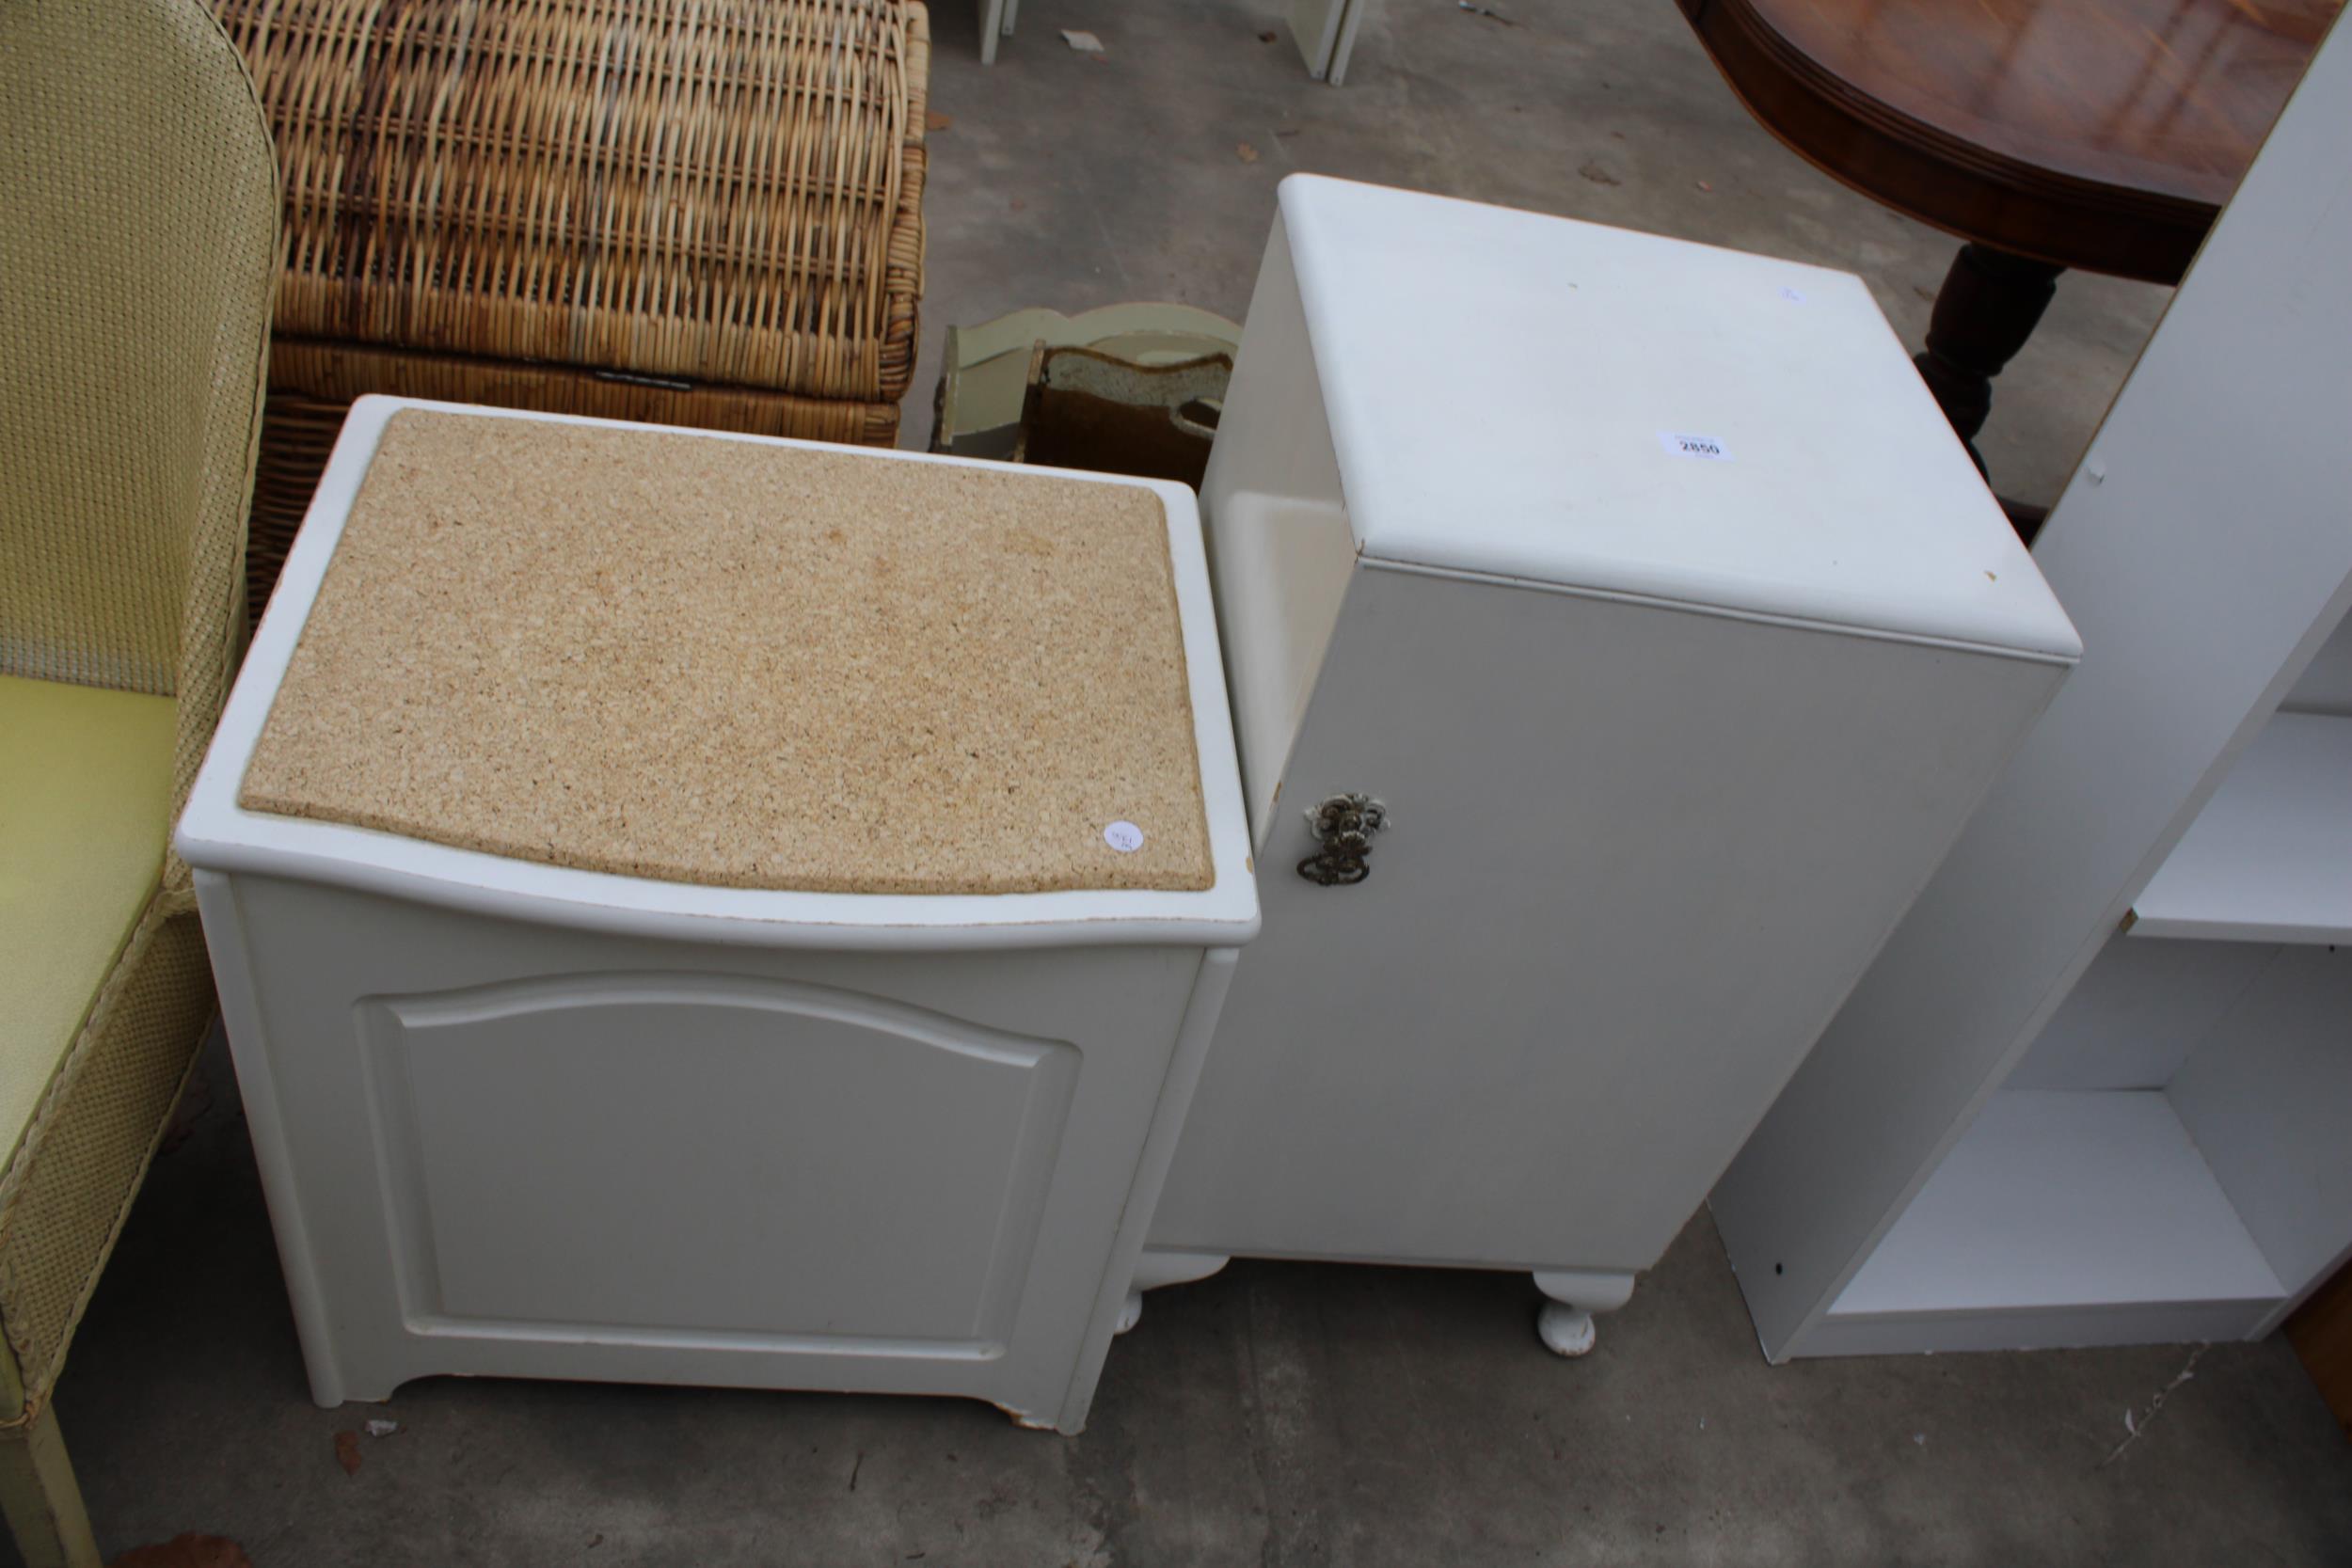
(2097, 1087)
(2063, 1216)
(2189, 1178)
(2159, 1165)
(2269, 859)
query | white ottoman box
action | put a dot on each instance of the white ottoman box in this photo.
(1643, 587)
(701, 909)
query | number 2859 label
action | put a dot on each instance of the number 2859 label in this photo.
(1684, 445)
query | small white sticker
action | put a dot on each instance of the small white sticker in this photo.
(1123, 836)
(1794, 296)
(1685, 444)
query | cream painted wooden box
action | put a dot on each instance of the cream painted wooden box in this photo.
(526, 1120)
(1644, 586)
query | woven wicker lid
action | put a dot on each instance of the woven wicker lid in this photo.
(699, 660)
(727, 193)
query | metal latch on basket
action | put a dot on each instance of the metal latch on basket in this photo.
(1344, 826)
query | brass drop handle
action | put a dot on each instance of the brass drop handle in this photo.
(1343, 827)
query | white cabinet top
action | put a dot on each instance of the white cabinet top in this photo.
(737, 688)
(1596, 408)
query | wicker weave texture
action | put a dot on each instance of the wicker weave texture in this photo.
(130, 390)
(723, 191)
(68, 1189)
(139, 253)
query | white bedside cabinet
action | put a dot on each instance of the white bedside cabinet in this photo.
(1644, 588)
(701, 909)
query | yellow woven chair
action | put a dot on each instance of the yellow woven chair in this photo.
(139, 232)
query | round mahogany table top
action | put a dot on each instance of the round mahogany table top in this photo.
(2096, 134)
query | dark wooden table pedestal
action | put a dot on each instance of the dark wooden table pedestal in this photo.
(2098, 135)
(1989, 306)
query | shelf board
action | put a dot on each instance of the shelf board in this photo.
(2269, 859)
(2063, 1217)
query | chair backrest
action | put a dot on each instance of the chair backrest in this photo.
(138, 239)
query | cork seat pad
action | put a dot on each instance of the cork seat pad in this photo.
(696, 660)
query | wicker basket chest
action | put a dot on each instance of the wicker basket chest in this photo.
(704, 214)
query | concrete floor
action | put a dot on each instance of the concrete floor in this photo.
(1279, 1414)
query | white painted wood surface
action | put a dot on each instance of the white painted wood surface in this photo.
(2204, 550)
(1513, 423)
(1575, 969)
(2200, 1211)
(2269, 1099)
(2150, 1322)
(2058, 1204)
(996, 20)
(2138, 1013)
(1285, 552)
(1325, 32)
(518, 1120)
(2269, 859)
(494, 1149)
(1639, 848)
(2326, 686)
